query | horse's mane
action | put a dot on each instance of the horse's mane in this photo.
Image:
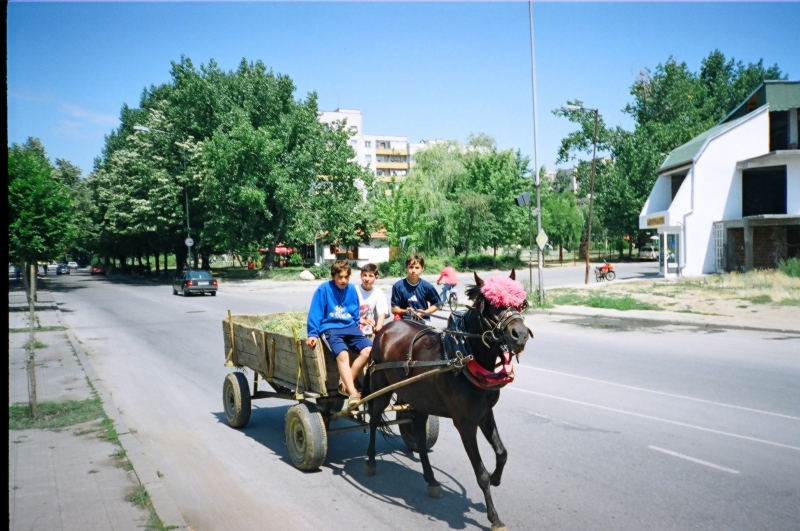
(474, 294)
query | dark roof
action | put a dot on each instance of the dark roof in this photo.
(690, 150)
(781, 96)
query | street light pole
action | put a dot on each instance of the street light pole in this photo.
(535, 167)
(185, 190)
(591, 185)
(591, 196)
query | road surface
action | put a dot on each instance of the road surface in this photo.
(606, 427)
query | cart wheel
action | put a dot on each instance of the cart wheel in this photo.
(407, 431)
(236, 400)
(611, 275)
(306, 438)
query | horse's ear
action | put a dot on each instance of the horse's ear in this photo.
(478, 280)
(513, 275)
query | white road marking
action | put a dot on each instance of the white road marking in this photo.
(684, 397)
(659, 419)
(694, 460)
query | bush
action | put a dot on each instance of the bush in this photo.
(322, 272)
(790, 267)
(392, 268)
(485, 261)
(295, 260)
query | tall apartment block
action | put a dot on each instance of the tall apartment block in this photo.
(387, 156)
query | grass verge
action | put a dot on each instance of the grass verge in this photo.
(37, 329)
(55, 414)
(601, 300)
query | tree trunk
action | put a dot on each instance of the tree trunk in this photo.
(269, 264)
(166, 263)
(194, 259)
(494, 259)
(630, 249)
(466, 247)
(206, 265)
(158, 263)
(31, 346)
(561, 254)
(181, 254)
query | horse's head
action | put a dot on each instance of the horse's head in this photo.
(500, 302)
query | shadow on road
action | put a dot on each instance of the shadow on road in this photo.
(395, 483)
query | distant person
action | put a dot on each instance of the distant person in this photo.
(414, 297)
(372, 301)
(17, 272)
(450, 280)
(334, 317)
(250, 264)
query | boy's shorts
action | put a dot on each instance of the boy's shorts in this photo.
(341, 339)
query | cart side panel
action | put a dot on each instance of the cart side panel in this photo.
(286, 364)
(285, 358)
(226, 335)
(248, 348)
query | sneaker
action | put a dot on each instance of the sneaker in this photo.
(353, 400)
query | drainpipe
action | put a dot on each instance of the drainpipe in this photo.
(682, 263)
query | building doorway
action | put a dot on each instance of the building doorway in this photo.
(671, 255)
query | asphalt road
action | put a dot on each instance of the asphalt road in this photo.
(607, 428)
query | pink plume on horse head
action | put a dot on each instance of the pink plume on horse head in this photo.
(502, 292)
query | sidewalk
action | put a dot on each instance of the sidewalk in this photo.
(73, 478)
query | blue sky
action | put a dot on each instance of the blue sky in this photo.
(423, 70)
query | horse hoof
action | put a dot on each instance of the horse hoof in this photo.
(369, 470)
(435, 491)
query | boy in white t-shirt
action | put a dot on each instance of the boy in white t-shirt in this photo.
(372, 301)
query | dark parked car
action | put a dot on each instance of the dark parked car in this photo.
(190, 282)
(99, 270)
(62, 269)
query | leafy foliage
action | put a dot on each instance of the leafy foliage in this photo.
(39, 206)
(670, 106)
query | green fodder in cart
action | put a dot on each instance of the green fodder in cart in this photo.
(283, 324)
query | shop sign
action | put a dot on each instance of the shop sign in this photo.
(652, 222)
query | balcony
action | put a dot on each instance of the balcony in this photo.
(385, 151)
(392, 165)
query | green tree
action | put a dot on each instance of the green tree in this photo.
(670, 106)
(39, 207)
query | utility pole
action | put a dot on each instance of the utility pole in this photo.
(31, 343)
(536, 160)
(591, 196)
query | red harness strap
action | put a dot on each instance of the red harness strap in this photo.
(491, 380)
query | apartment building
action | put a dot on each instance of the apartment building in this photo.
(387, 156)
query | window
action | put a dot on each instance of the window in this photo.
(353, 128)
(381, 173)
(368, 159)
(354, 143)
(778, 130)
(764, 191)
(368, 143)
(677, 181)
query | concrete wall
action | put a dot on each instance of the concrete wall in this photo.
(714, 190)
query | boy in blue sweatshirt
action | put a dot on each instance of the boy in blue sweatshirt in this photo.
(334, 316)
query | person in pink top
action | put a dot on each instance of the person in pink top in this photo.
(450, 280)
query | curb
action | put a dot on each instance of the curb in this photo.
(665, 321)
(163, 504)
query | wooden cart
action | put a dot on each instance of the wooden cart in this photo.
(297, 372)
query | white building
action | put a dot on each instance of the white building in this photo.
(729, 199)
(387, 156)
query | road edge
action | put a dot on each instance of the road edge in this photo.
(163, 504)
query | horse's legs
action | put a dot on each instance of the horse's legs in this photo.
(489, 429)
(419, 423)
(469, 437)
(375, 407)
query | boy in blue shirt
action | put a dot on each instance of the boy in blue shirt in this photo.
(413, 297)
(334, 316)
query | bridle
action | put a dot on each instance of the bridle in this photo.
(496, 329)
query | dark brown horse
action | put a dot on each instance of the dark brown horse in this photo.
(493, 334)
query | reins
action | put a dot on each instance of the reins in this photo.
(495, 332)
